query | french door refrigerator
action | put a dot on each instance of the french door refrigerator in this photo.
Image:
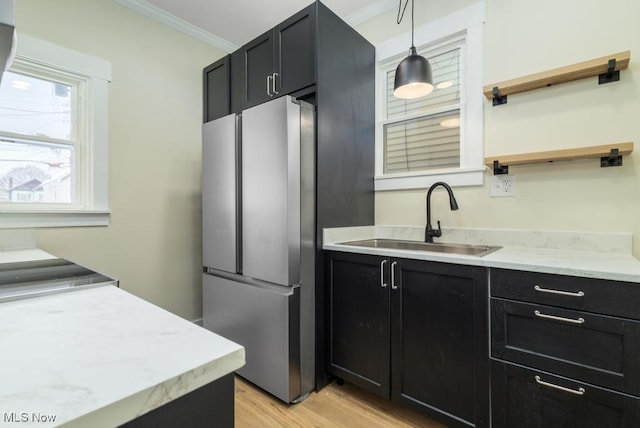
(259, 241)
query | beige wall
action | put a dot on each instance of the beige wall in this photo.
(384, 26)
(153, 243)
(522, 38)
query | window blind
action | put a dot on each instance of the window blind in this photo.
(431, 142)
(426, 140)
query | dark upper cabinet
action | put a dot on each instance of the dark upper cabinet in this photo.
(256, 73)
(412, 331)
(279, 62)
(216, 89)
(295, 52)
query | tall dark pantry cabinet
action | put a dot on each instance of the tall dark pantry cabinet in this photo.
(315, 57)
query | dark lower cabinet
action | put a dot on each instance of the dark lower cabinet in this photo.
(438, 340)
(565, 351)
(420, 325)
(210, 405)
(359, 322)
(526, 398)
(597, 349)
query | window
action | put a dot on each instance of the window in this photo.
(423, 134)
(38, 138)
(53, 144)
(437, 137)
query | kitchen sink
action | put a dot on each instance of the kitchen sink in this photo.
(438, 247)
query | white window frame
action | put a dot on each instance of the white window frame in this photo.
(90, 207)
(465, 26)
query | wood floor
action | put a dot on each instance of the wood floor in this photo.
(334, 406)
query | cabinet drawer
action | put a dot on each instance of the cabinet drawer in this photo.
(598, 349)
(524, 398)
(592, 295)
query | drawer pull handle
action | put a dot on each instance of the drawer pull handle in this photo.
(555, 318)
(580, 391)
(562, 293)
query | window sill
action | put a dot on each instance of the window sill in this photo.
(30, 219)
(459, 177)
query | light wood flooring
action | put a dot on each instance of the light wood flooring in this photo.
(334, 406)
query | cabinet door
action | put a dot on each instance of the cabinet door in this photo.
(521, 397)
(258, 70)
(216, 89)
(359, 320)
(295, 52)
(435, 341)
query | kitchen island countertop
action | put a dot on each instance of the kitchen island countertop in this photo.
(100, 357)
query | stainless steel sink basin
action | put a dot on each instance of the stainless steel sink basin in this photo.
(396, 244)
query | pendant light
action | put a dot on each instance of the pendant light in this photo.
(413, 74)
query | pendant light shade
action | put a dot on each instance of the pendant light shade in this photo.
(413, 77)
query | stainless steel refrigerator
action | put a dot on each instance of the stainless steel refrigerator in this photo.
(259, 239)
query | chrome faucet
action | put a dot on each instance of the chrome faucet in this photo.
(430, 232)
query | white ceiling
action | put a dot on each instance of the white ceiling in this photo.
(231, 23)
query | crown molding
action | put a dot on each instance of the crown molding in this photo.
(147, 9)
(366, 13)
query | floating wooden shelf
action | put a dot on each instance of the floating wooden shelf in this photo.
(594, 67)
(606, 153)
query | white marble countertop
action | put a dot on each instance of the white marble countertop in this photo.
(24, 255)
(591, 255)
(100, 357)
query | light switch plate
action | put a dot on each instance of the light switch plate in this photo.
(503, 185)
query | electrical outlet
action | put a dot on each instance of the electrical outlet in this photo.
(503, 185)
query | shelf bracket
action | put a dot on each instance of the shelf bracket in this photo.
(500, 169)
(614, 159)
(612, 75)
(497, 98)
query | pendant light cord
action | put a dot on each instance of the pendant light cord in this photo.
(401, 15)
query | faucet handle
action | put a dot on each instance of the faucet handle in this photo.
(430, 232)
